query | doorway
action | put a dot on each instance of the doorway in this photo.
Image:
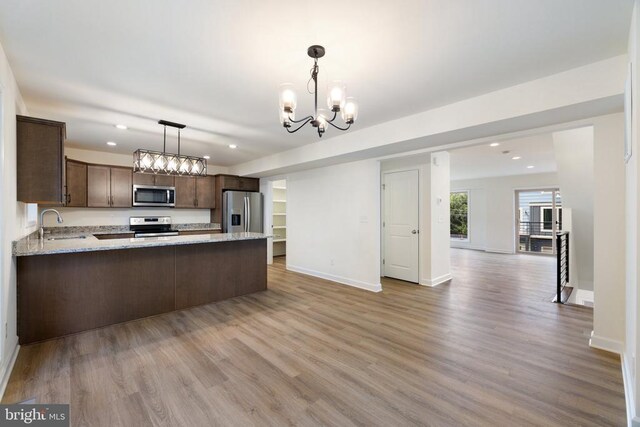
(400, 225)
(279, 220)
(538, 220)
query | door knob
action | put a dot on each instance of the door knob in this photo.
(414, 231)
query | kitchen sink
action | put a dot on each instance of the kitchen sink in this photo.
(66, 237)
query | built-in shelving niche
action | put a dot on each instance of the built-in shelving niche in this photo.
(279, 218)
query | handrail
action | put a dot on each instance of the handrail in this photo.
(562, 248)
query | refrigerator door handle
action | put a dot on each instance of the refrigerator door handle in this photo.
(244, 224)
(248, 221)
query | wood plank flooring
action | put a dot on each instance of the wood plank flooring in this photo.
(487, 349)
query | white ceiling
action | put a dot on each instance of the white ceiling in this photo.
(482, 161)
(216, 65)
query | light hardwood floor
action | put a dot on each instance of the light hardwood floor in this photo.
(487, 349)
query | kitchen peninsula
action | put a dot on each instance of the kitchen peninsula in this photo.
(77, 280)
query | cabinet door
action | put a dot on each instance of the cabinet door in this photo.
(121, 188)
(40, 161)
(205, 192)
(185, 192)
(98, 186)
(249, 184)
(143, 179)
(76, 183)
(164, 181)
(230, 183)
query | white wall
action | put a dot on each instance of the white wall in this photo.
(609, 232)
(492, 209)
(437, 231)
(116, 216)
(574, 156)
(13, 217)
(333, 223)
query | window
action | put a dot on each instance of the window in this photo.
(547, 218)
(459, 207)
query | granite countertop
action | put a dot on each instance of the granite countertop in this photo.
(82, 239)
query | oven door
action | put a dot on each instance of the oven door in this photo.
(147, 195)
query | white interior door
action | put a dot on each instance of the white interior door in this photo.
(400, 225)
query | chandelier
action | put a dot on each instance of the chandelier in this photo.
(321, 119)
(163, 163)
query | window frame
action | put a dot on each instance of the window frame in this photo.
(456, 239)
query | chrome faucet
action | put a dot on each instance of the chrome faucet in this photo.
(41, 232)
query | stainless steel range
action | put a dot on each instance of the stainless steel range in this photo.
(151, 226)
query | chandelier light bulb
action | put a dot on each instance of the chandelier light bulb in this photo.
(322, 121)
(288, 97)
(285, 118)
(350, 111)
(336, 95)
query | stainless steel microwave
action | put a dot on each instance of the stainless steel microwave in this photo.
(151, 195)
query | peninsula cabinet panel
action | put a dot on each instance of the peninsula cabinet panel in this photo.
(40, 161)
(76, 184)
(68, 293)
(98, 186)
(212, 272)
(121, 188)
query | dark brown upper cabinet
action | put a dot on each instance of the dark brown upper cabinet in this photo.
(40, 161)
(76, 184)
(205, 192)
(195, 192)
(109, 187)
(151, 179)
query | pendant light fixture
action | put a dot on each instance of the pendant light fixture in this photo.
(321, 119)
(163, 163)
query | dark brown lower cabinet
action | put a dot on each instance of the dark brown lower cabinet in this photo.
(63, 294)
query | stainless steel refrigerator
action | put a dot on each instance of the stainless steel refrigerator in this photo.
(241, 212)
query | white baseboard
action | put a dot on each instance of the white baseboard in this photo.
(606, 344)
(437, 281)
(373, 287)
(8, 369)
(582, 296)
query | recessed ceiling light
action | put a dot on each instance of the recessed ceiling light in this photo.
(206, 157)
(111, 143)
(494, 144)
(516, 158)
(122, 127)
(530, 167)
(233, 146)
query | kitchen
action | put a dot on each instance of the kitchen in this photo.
(147, 266)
